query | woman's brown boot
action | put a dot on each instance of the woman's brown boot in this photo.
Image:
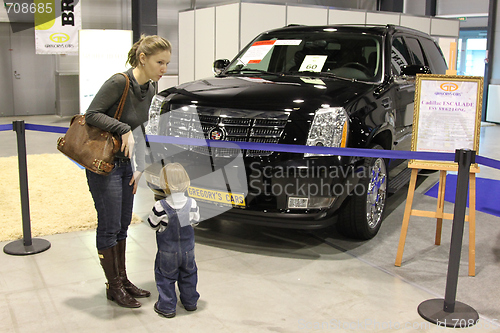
(129, 286)
(114, 287)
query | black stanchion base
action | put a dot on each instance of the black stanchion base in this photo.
(18, 248)
(433, 310)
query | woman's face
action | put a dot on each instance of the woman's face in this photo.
(155, 65)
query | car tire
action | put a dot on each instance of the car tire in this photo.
(361, 216)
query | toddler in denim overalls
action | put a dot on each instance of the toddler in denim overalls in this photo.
(172, 218)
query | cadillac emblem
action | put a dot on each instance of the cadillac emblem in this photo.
(217, 133)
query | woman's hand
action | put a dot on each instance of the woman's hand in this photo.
(135, 180)
(128, 144)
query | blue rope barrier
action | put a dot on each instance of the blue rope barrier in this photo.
(394, 154)
(45, 128)
(488, 162)
(7, 127)
(304, 149)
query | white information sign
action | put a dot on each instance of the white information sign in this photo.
(313, 63)
(288, 42)
(447, 113)
(102, 54)
(257, 52)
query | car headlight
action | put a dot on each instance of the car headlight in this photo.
(329, 129)
(152, 127)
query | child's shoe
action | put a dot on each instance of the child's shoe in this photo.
(190, 307)
(162, 313)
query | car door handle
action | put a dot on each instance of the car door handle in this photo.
(386, 102)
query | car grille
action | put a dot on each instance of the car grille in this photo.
(225, 124)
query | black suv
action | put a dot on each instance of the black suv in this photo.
(333, 86)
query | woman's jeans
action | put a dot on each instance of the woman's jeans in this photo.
(113, 200)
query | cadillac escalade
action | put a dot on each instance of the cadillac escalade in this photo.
(331, 86)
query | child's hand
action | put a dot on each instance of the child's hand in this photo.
(135, 180)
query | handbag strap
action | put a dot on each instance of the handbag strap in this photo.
(119, 109)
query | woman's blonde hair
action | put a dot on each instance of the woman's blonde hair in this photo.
(174, 178)
(148, 45)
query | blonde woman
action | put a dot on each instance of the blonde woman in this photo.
(114, 194)
(172, 219)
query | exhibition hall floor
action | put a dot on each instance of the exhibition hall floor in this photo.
(256, 279)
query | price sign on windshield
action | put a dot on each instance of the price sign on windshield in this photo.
(312, 63)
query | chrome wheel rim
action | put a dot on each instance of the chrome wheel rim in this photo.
(376, 193)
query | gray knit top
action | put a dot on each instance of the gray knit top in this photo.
(135, 112)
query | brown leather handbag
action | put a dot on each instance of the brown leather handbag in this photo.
(91, 146)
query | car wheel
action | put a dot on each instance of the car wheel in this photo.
(361, 217)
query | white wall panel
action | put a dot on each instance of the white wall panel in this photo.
(66, 64)
(416, 22)
(257, 18)
(306, 15)
(493, 106)
(186, 46)
(227, 31)
(204, 42)
(168, 81)
(346, 17)
(382, 18)
(445, 27)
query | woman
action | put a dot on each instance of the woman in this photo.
(114, 194)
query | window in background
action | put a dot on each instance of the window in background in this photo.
(471, 52)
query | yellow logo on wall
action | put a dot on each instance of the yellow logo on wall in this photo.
(45, 14)
(59, 37)
(449, 86)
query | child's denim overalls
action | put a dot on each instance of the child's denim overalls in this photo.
(175, 260)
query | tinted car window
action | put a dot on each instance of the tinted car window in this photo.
(434, 56)
(416, 51)
(399, 56)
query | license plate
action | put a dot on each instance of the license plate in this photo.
(223, 197)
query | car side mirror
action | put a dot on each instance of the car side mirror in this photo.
(220, 65)
(413, 70)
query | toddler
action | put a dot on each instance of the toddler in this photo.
(171, 218)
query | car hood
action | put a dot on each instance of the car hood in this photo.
(268, 92)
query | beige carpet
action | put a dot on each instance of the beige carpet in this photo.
(60, 200)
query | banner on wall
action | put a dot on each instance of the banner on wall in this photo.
(57, 26)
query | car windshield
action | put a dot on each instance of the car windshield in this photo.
(328, 52)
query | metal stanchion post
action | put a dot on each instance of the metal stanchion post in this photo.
(27, 245)
(449, 312)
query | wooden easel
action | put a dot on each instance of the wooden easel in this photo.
(439, 214)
